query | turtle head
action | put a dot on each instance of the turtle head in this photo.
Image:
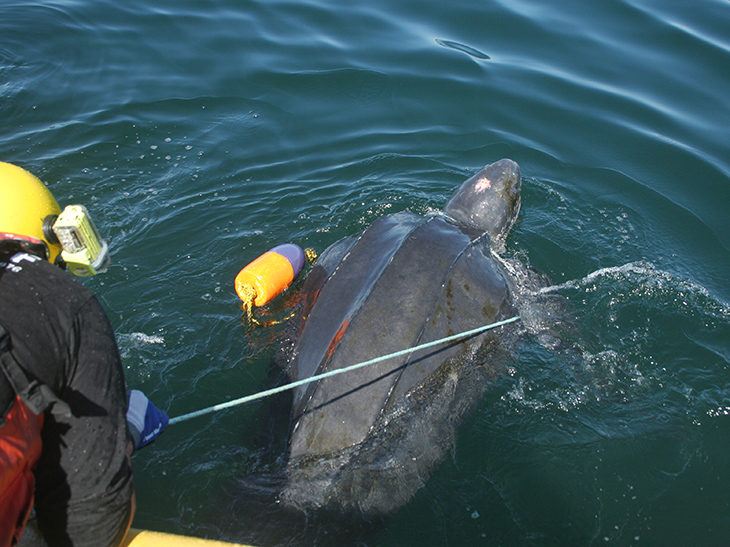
(488, 202)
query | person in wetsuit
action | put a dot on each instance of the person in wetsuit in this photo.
(68, 426)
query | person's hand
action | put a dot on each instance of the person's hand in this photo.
(146, 421)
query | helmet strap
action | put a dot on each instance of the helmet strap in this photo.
(16, 243)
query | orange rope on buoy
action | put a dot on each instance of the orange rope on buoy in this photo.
(311, 254)
(247, 294)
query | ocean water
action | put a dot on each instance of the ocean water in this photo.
(202, 133)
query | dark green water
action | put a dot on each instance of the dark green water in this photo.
(202, 133)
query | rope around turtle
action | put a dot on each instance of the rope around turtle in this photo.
(273, 391)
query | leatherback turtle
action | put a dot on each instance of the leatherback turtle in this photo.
(367, 440)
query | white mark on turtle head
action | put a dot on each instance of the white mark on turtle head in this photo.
(482, 184)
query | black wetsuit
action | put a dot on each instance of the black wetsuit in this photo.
(61, 336)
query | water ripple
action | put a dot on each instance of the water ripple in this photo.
(463, 48)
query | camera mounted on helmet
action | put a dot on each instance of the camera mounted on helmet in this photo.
(84, 252)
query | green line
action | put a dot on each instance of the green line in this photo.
(273, 391)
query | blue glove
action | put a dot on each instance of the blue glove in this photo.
(146, 421)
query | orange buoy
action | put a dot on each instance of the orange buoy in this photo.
(270, 274)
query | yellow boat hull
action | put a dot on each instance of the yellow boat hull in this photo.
(135, 538)
(145, 538)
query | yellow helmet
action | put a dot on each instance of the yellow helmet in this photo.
(25, 203)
